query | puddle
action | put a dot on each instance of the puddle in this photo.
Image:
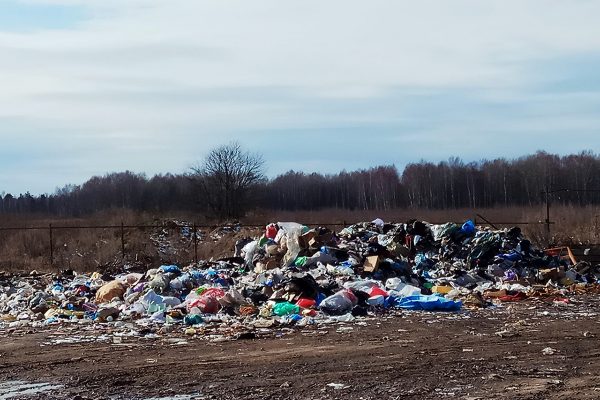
(13, 389)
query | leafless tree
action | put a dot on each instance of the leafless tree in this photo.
(227, 176)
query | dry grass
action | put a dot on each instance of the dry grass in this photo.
(93, 249)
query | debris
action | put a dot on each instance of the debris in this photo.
(337, 386)
(548, 351)
(507, 334)
(295, 276)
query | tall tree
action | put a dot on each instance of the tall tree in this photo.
(227, 177)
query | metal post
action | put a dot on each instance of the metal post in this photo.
(51, 247)
(195, 244)
(122, 240)
(548, 212)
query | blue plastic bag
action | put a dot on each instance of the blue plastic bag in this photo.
(428, 303)
(468, 228)
(173, 269)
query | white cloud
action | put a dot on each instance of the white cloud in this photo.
(182, 76)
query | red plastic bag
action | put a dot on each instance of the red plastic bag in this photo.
(208, 302)
(306, 303)
(271, 231)
(377, 291)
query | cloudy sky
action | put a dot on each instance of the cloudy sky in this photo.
(94, 86)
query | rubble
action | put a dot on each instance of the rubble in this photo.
(296, 276)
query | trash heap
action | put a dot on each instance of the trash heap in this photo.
(295, 275)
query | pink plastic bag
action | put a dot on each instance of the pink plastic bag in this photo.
(208, 301)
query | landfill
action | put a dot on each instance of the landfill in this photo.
(294, 276)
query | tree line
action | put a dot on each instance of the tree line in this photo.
(230, 181)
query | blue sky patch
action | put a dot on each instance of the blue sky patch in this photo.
(17, 16)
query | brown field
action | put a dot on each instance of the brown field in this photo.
(412, 355)
(92, 249)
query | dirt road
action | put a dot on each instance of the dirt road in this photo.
(529, 350)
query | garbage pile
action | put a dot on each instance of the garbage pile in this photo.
(297, 276)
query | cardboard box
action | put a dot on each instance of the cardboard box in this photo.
(371, 264)
(305, 239)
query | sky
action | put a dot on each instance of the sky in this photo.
(89, 87)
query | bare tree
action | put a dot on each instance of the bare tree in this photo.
(227, 176)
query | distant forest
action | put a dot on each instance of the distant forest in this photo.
(574, 179)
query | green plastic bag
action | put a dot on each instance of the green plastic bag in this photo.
(300, 261)
(285, 308)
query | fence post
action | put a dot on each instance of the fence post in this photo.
(51, 246)
(122, 240)
(195, 244)
(548, 212)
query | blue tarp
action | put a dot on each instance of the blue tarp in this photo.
(428, 303)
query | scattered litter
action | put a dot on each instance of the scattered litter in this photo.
(337, 386)
(178, 397)
(296, 277)
(548, 351)
(18, 389)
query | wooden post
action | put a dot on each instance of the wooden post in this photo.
(51, 246)
(122, 240)
(195, 244)
(548, 212)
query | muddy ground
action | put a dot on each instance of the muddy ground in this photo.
(530, 350)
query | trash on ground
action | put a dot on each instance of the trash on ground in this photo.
(297, 277)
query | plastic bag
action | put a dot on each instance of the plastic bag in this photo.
(172, 269)
(428, 303)
(271, 231)
(468, 228)
(340, 303)
(285, 308)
